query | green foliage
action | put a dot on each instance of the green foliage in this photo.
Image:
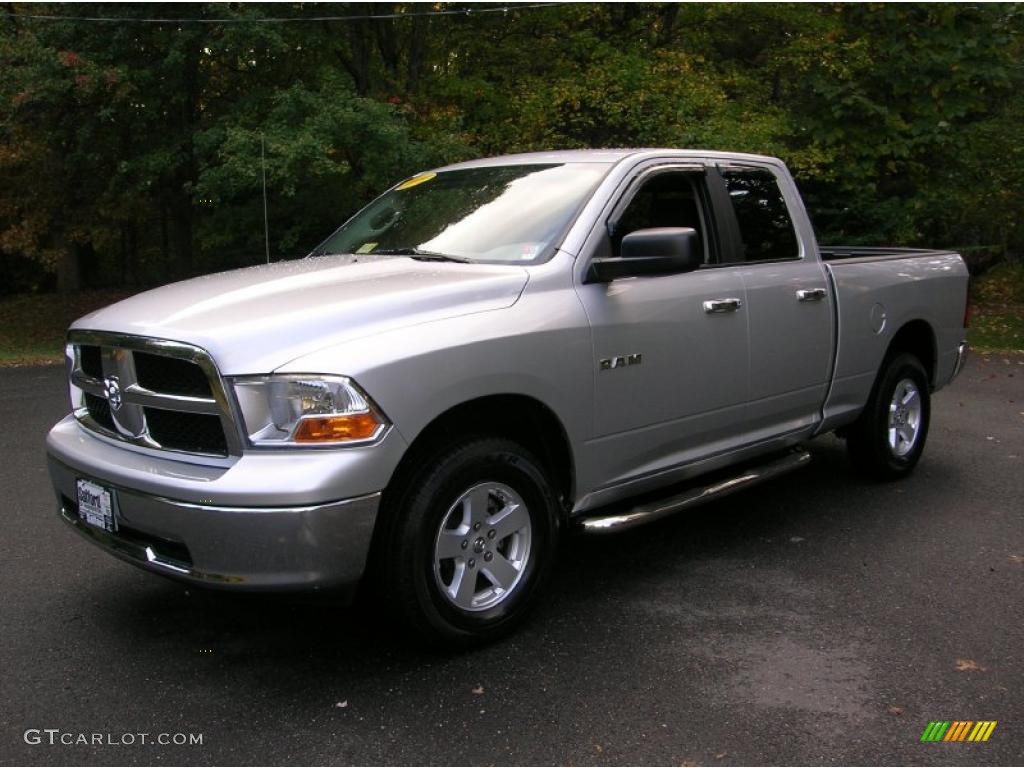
(995, 329)
(327, 152)
(1003, 284)
(130, 153)
(997, 324)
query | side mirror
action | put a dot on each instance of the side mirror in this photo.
(661, 251)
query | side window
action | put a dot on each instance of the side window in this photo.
(761, 214)
(669, 199)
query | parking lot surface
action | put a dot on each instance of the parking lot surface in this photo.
(819, 619)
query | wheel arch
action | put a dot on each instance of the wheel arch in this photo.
(521, 418)
(916, 337)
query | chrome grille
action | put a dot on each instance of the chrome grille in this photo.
(195, 432)
(99, 410)
(91, 360)
(172, 375)
(151, 393)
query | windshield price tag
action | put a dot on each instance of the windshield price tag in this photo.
(415, 180)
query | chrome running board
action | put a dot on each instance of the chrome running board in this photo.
(693, 497)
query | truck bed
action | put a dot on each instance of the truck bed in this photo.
(878, 291)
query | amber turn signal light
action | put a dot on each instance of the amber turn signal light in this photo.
(334, 429)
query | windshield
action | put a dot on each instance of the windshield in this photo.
(509, 213)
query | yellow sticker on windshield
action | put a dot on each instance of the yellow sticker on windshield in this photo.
(366, 247)
(419, 178)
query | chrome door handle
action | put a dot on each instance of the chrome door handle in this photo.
(718, 306)
(811, 294)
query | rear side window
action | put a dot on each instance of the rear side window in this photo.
(761, 214)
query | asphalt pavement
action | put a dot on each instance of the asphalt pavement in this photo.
(818, 619)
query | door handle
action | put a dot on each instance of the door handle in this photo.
(718, 306)
(811, 294)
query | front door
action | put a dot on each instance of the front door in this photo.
(670, 351)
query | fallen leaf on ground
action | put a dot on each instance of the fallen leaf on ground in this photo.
(1017, 558)
(896, 711)
(968, 665)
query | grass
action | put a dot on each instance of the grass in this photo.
(998, 328)
(1003, 284)
(32, 326)
(997, 324)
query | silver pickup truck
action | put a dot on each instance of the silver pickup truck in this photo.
(488, 355)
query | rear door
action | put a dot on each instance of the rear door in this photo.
(789, 303)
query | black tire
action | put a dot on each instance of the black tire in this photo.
(868, 439)
(408, 571)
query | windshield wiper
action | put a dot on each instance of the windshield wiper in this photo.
(416, 253)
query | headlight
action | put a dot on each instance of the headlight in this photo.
(307, 410)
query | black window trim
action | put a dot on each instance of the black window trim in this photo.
(705, 198)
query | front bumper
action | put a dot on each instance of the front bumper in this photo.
(253, 549)
(193, 523)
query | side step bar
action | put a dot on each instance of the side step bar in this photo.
(693, 497)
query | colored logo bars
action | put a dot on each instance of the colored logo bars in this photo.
(958, 730)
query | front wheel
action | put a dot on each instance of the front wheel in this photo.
(473, 538)
(887, 440)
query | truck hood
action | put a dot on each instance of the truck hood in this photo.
(256, 319)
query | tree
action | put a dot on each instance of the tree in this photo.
(130, 152)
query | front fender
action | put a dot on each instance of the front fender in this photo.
(539, 347)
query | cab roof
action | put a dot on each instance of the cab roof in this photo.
(606, 156)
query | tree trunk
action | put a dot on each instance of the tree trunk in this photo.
(184, 179)
(132, 261)
(69, 268)
(181, 235)
(122, 261)
(358, 35)
(388, 48)
(417, 49)
(165, 242)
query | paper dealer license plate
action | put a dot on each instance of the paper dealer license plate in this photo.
(96, 505)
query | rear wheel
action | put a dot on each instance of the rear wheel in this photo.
(887, 441)
(472, 540)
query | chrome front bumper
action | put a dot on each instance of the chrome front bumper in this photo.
(188, 530)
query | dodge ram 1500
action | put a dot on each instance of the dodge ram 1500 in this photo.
(485, 356)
